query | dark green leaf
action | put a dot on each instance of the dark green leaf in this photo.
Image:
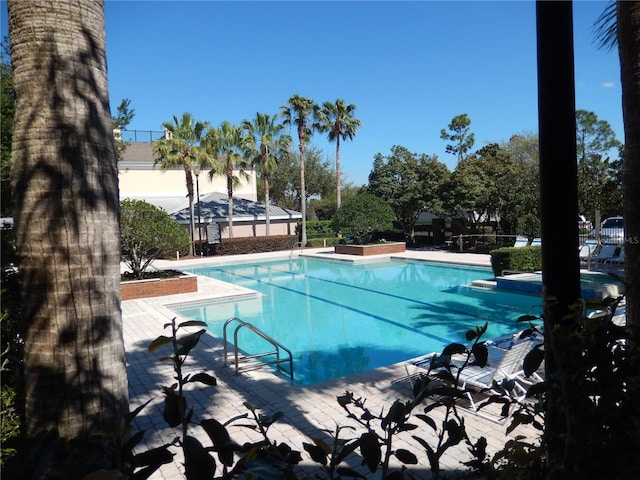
(221, 440)
(370, 450)
(198, 464)
(406, 457)
(453, 349)
(132, 441)
(428, 420)
(537, 389)
(346, 399)
(395, 414)
(174, 408)
(192, 323)
(187, 342)
(156, 456)
(532, 361)
(317, 454)
(480, 354)
(407, 427)
(204, 378)
(159, 342)
(128, 418)
(268, 420)
(346, 450)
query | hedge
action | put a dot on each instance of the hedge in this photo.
(323, 242)
(318, 229)
(522, 259)
(233, 246)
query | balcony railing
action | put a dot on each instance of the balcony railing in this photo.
(140, 135)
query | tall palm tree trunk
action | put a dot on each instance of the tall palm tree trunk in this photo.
(230, 197)
(266, 204)
(338, 194)
(303, 196)
(192, 228)
(65, 185)
(629, 49)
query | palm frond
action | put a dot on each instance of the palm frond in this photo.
(606, 28)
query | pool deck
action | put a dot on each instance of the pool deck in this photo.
(308, 411)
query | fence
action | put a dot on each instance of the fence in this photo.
(141, 135)
(483, 242)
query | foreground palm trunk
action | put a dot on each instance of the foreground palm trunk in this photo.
(629, 49)
(65, 187)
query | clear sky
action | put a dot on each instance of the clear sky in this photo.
(409, 67)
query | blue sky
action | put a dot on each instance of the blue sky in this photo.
(410, 67)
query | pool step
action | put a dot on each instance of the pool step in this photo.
(484, 284)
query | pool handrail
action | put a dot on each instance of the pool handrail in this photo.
(277, 346)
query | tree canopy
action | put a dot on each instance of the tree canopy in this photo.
(362, 215)
(148, 233)
(460, 136)
(410, 183)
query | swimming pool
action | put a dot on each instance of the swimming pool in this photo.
(340, 318)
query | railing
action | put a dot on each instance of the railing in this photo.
(473, 240)
(248, 359)
(141, 135)
(297, 244)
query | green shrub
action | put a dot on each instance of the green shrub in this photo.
(320, 229)
(323, 242)
(522, 259)
(235, 246)
(363, 215)
(10, 422)
(148, 233)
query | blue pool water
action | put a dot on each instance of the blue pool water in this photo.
(340, 318)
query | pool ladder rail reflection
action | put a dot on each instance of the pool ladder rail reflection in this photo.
(251, 362)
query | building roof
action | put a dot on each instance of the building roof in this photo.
(214, 208)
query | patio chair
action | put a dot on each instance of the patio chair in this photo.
(536, 242)
(607, 252)
(503, 364)
(587, 249)
(521, 242)
(619, 260)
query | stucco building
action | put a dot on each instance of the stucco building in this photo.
(141, 179)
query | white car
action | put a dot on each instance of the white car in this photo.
(611, 230)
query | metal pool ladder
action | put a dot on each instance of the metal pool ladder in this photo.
(252, 362)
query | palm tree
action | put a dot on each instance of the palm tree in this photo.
(298, 113)
(337, 119)
(181, 148)
(619, 25)
(265, 142)
(65, 184)
(229, 142)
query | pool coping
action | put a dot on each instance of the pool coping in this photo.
(309, 412)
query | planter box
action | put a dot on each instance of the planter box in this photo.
(373, 249)
(157, 287)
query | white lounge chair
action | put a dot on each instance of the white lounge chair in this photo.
(503, 364)
(587, 249)
(619, 260)
(521, 242)
(607, 252)
(536, 242)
